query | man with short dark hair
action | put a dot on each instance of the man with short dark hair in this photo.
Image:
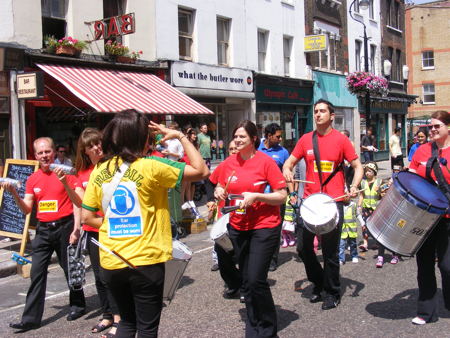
(61, 155)
(368, 145)
(325, 171)
(53, 194)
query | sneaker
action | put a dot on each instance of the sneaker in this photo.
(341, 262)
(355, 260)
(273, 266)
(380, 262)
(363, 248)
(285, 243)
(215, 267)
(292, 240)
(185, 206)
(418, 321)
(394, 259)
(242, 299)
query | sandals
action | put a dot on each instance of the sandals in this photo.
(101, 327)
(109, 334)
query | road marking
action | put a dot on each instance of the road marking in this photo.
(201, 250)
(22, 294)
(46, 298)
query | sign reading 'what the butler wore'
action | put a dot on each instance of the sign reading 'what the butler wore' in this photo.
(194, 75)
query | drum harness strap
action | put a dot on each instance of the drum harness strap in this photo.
(433, 164)
(317, 159)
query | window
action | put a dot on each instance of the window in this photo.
(388, 13)
(223, 39)
(262, 49)
(428, 59)
(287, 50)
(185, 31)
(373, 53)
(357, 6)
(357, 55)
(428, 93)
(398, 66)
(396, 15)
(113, 8)
(371, 10)
(53, 18)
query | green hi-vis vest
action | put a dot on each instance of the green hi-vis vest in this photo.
(349, 226)
(289, 212)
(371, 196)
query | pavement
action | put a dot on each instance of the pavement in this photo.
(9, 267)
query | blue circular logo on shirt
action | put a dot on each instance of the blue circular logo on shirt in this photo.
(123, 201)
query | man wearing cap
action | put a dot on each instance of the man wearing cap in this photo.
(324, 151)
(53, 193)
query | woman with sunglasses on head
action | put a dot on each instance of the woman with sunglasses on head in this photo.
(437, 244)
(255, 227)
(89, 153)
(131, 190)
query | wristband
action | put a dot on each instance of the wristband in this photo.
(293, 194)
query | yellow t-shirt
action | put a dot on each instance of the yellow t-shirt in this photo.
(137, 221)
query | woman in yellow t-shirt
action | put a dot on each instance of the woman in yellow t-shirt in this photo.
(136, 224)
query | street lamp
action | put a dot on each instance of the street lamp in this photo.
(405, 74)
(364, 4)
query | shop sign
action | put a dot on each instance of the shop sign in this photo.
(315, 43)
(114, 26)
(30, 85)
(194, 75)
(283, 95)
(385, 107)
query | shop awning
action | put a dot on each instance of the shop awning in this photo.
(108, 90)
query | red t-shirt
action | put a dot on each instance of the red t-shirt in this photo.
(334, 148)
(83, 180)
(50, 196)
(251, 175)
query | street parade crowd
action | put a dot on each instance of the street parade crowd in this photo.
(314, 198)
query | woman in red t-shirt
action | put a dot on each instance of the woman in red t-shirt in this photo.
(89, 153)
(254, 229)
(438, 242)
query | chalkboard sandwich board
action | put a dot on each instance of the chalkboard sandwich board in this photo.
(13, 222)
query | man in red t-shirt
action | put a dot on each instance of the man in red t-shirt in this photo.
(334, 148)
(53, 193)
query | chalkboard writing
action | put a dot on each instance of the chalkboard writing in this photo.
(12, 219)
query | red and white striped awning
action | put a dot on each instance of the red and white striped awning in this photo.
(108, 90)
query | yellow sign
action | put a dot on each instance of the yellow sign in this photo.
(325, 166)
(315, 43)
(401, 223)
(30, 85)
(48, 206)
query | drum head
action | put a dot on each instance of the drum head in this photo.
(319, 213)
(180, 250)
(220, 227)
(420, 192)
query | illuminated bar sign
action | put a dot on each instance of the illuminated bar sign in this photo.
(114, 26)
(30, 85)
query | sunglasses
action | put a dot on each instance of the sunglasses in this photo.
(435, 126)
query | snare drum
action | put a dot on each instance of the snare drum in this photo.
(319, 213)
(219, 233)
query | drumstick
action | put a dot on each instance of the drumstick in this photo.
(336, 198)
(229, 180)
(112, 252)
(303, 181)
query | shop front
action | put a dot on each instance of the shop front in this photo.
(227, 92)
(287, 102)
(81, 93)
(333, 87)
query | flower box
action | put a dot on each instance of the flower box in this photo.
(68, 51)
(125, 59)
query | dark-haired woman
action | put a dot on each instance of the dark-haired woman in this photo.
(421, 136)
(89, 153)
(437, 243)
(254, 229)
(136, 224)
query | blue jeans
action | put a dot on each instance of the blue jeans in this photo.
(367, 156)
(343, 244)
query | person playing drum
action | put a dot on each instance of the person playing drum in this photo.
(435, 155)
(255, 227)
(328, 177)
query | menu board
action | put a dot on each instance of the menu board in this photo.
(12, 220)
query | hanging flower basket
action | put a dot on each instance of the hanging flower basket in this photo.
(359, 83)
(68, 51)
(125, 59)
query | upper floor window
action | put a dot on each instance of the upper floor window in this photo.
(53, 18)
(397, 76)
(356, 6)
(396, 14)
(262, 49)
(113, 8)
(388, 13)
(357, 55)
(428, 59)
(185, 33)
(223, 40)
(373, 53)
(393, 13)
(371, 10)
(428, 93)
(287, 51)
